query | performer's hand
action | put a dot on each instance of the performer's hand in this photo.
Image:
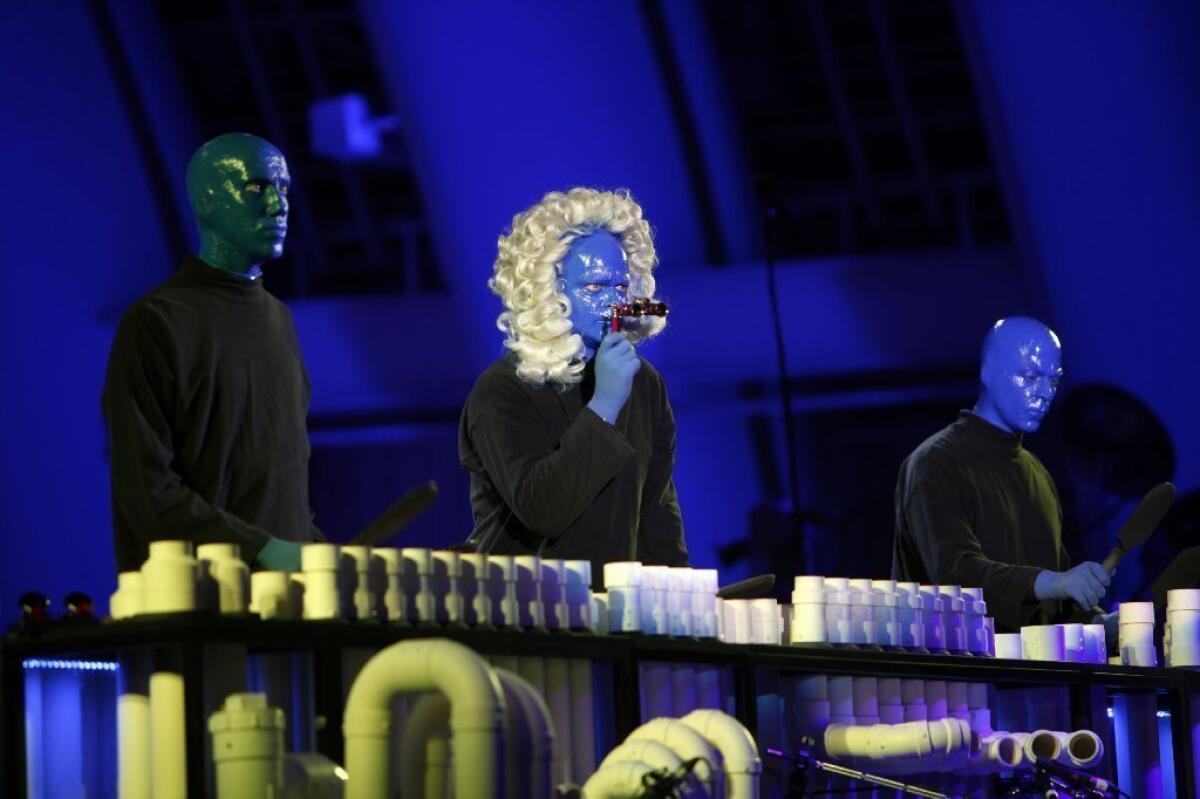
(280, 556)
(1084, 583)
(616, 364)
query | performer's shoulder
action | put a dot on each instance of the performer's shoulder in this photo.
(938, 453)
(648, 373)
(501, 379)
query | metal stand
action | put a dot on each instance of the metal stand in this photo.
(802, 761)
(1053, 780)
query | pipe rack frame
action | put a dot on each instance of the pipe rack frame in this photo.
(190, 633)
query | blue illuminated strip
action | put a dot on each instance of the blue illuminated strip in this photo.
(71, 665)
(1162, 714)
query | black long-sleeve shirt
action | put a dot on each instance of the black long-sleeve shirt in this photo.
(975, 508)
(205, 399)
(549, 476)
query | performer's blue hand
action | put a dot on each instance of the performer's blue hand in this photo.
(1084, 583)
(616, 364)
(280, 556)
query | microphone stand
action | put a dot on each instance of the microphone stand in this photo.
(772, 209)
(802, 761)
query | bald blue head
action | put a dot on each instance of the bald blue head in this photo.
(238, 185)
(1021, 366)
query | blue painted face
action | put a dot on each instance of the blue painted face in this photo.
(1021, 372)
(239, 185)
(595, 276)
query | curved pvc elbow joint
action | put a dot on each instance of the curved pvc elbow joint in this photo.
(476, 701)
(736, 744)
(476, 713)
(617, 780)
(687, 743)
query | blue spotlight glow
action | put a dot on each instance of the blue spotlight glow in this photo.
(1162, 714)
(70, 665)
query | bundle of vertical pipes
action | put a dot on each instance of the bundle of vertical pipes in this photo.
(475, 731)
(906, 726)
(415, 585)
(886, 614)
(471, 731)
(359, 583)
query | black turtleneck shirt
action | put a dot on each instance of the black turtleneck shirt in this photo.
(975, 508)
(549, 476)
(205, 399)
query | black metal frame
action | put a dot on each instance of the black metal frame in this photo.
(189, 633)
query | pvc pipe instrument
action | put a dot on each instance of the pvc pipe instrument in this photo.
(476, 715)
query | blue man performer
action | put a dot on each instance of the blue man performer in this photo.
(975, 508)
(569, 438)
(206, 396)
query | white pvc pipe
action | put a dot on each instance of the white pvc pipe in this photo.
(558, 699)
(133, 727)
(357, 602)
(1080, 749)
(739, 753)
(583, 733)
(476, 715)
(647, 751)
(133, 746)
(998, 751)
(655, 684)
(429, 720)
(169, 577)
(883, 743)
(168, 750)
(528, 734)
(1041, 743)
(662, 758)
(687, 743)
(529, 739)
(437, 767)
(621, 779)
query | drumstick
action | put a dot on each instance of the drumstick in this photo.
(751, 588)
(1142, 523)
(398, 515)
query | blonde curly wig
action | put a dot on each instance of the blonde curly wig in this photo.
(527, 277)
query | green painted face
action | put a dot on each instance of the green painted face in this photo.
(238, 185)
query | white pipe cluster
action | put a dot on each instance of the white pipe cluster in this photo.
(413, 585)
(1063, 643)
(899, 726)
(750, 621)
(887, 614)
(1181, 635)
(728, 765)
(658, 600)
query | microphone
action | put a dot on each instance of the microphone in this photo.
(1097, 785)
